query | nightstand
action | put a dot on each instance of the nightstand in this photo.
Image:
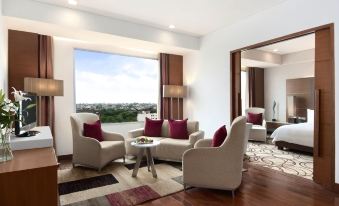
(273, 125)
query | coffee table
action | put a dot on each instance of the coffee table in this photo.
(150, 161)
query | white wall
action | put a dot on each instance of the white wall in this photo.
(3, 52)
(64, 106)
(295, 65)
(208, 71)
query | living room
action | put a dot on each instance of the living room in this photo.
(192, 58)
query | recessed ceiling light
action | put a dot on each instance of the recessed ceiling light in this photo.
(171, 26)
(72, 2)
(275, 50)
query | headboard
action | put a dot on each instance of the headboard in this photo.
(302, 91)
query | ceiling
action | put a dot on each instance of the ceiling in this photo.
(193, 17)
(291, 46)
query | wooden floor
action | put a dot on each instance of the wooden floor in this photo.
(260, 187)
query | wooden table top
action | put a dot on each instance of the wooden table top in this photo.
(30, 159)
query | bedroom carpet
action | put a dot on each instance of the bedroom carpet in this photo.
(268, 155)
(114, 185)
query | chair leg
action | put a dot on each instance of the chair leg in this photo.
(124, 159)
(233, 194)
(185, 187)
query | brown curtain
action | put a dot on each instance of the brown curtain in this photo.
(171, 73)
(45, 71)
(256, 87)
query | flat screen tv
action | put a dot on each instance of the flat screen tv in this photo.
(27, 116)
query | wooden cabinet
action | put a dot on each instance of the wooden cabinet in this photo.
(30, 178)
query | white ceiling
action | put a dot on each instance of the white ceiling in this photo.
(292, 46)
(194, 17)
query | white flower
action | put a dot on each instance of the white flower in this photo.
(19, 95)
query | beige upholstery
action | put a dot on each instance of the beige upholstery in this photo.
(217, 167)
(169, 149)
(258, 132)
(247, 135)
(90, 152)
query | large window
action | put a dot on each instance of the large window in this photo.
(118, 88)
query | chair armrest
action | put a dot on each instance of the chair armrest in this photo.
(264, 123)
(136, 133)
(203, 143)
(111, 136)
(195, 136)
(88, 143)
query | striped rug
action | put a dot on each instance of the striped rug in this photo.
(114, 185)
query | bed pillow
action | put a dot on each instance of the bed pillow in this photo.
(310, 116)
(178, 129)
(93, 131)
(153, 127)
(255, 119)
(219, 136)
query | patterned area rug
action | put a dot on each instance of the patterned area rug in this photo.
(268, 155)
(114, 185)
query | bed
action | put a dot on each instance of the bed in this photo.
(296, 136)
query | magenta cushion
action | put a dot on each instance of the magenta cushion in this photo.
(153, 127)
(178, 129)
(219, 136)
(93, 130)
(254, 118)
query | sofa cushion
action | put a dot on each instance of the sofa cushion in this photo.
(172, 149)
(178, 129)
(153, 127)
(255, 119)
(219, 136)
(93, 130)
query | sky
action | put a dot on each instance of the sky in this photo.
(111, 78)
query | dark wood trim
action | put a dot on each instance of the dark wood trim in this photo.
(284, 38)
(65, 157)
(330, 128)
(282, 144)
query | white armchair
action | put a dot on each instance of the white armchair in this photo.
(89, 151)
(258, 132)
(217, 167)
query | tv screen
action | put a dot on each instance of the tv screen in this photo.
(27, 114)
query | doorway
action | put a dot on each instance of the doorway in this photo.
(324, 119)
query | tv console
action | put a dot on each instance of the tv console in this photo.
(42, 138)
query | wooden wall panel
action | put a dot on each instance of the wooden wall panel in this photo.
(235, 85)
(303, 90)
(174, 77)
(324, 109)
(23, 56)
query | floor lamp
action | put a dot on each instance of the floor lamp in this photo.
(44, 88)
(174, 91)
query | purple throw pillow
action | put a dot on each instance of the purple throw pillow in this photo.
(254, 118)
(219, 136)
(153, 127)
(93, 131)
(178, 129)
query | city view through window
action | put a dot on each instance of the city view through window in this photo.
(116, 87)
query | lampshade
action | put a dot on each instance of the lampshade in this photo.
(44, 87)
(174, 91)
(291, 106)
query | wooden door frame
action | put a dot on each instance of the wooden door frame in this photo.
(235, 81)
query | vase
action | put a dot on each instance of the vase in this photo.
(5, 147)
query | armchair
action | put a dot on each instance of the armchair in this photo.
(90, 152)
(258, 132)
(217, 167)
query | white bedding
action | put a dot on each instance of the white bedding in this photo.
(301, 134)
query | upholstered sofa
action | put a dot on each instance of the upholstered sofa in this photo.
(169, 149)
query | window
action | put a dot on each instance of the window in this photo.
(118, 88)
